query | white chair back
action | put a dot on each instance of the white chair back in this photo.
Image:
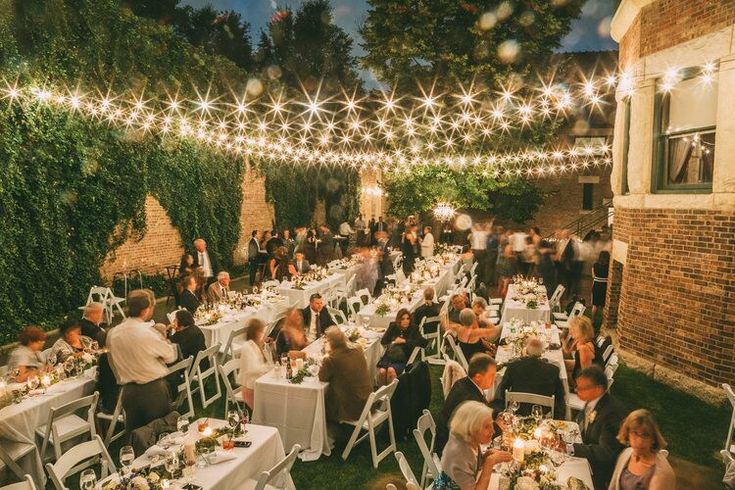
(12, 451)
(364, 296)
(232, 394)
(54, 433)
(117, 416)
(529, 398)
(431, 466)
(577, 310)
(555, 300)
(201, 376)
(232, 348)
(434, 338)
(406, 470)
(337, 315)
(607, 354)
(279, 471)
(728, 453)
(172, 316)
(76, 457)
(352, 302)
(184, 387)
(474, 268)
(458, 354)
(26, 484)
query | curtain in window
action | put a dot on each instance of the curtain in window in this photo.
(680, 152)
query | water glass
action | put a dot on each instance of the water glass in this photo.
(182, 424)
(87, 480)
(171, 463)
(537, 413)
(127, 455)
(233, 418)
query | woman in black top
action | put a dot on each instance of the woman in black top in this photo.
(599, 281)
(310, 246)
(400, 339)
(408, 242)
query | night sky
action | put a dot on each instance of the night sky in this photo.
(591, 32)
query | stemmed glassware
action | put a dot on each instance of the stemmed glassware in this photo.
(127, 456)
(182, 424)
(87, 480)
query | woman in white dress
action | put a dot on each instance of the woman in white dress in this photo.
(255, 359)
(427, 243)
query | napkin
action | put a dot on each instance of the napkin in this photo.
(156, 451)
(220, 457)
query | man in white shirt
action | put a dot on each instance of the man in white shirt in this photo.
(345, 231)
(478, 244)
(202, 259)
(219, 290)
(138, 357)
(301, 264)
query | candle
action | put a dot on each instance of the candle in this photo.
(189, 450)
(207, 432)
(538, 433)
(543, 469)
(518, 450)
(165, 484)
(45, 380)
(299, 364)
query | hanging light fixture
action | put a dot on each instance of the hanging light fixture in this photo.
(444, 211)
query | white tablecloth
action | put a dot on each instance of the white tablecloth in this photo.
(19, 422)
(220, 331)
(299, 298)
(577, 467)
(264, 453)
(373, 350)
(515, 309)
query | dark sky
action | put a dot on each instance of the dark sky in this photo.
(590, 32)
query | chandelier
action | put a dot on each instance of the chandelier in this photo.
(444, 211)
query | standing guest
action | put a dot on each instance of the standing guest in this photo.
(518, 244)
(219, 290)
(429, 309)
(188, 336)
(480, 377)
(70, 343)
(301, 265)
(600, 271)
(506, 269)
(255, 360)
(345, 231)
(291, 339)
(288, 242)
(400, 339)
(138, 357)
(381, 225)
(600, 423)
(273, 243)
(325, 252)
(372, 229)
(264, 240)
(427, 243)
(186, 265)
(493, 245)
(447, 234)
(408, 244)
(203, 260)
(530, 257)
(300, 239)
(535, 234)
(464, 465)
(316, 319)
(345, 369)
(27, 360)
(564, 259)
(91, 322)
(580, 344)
(546, 269)
(532, 374)
(310, 246)
(385, 266)
(642, 466)
(255, 255)
(478, 245)
(360, 230)
(189, 299)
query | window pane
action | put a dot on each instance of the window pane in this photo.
(587, 196)
(692, 105)
(690, 158)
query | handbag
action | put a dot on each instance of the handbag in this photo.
(396, 354)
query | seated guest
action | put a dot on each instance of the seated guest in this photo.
(458, 303)
(464, 465)
(345, 369)
(479, 306)
(532, 374)
(581, 345)
(186, 266)
(600, 423)
(138, 357)
(480, 377)
(189, 299)
(301, 265)
(71, 342)
(400, 338)
(27, 360)
(281, 267)
(255, 361)
(292, 338)
(316, 318)
(219, 290)
(641, 466)
(188, 336)
(428, 309)
(472, 339)
(91, 322)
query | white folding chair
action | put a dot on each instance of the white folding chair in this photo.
(172, 315)
(183, 389)
(279, 475)
(232, 347)
(574, 403)
(108, 299)
(272, 325)
(608, 353)
(351, 303)
(63, 424)
(232, 394)
(116, 417)
(26, 484)
(406, 470)
(555, 300)
(80, 456)
(432, 466)
(474, 268)
(13, 451)
(728, 453)
(364, 296)
(530, 399)
(434, 339)
(458, 354)
(196, 374)
(337, 315)
(577, 310)
(377, 411)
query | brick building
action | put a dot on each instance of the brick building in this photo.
(672, 290)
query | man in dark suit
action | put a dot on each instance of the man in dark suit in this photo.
(189, 299)
(255, 255)
(480, 376)
(325, 250)
(301, 264)
(532, 374)
(204, 261)
(316, 318)
(91, 322)
(385, 266)
(189, 337)
(371, 229)
(599, 422)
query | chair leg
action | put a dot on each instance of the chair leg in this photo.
(350, 443)
(373, 443)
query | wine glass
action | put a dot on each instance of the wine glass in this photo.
(182, 424)
(88, 479)
(171, 463)
(537, 413)
(244, 419)
(233, 418)
(514, 406)
(163, 439)
(127, 455)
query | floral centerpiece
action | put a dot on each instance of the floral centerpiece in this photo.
(208, 314)
(519, 332)
(528, 291)
(314, 275)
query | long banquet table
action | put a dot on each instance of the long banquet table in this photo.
(220, 331)
(513, 309)
(299, 298)
(298, 411)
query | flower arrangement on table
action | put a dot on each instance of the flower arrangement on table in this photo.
(314, 275)
(302, 370)
(393, 298)
(528, 291)
(143, 479)
(519, 332)
(208, 314)
(348, 262)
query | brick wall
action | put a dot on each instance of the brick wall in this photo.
(612, 301)
(667, 23)
(677, 298)
(256, 213)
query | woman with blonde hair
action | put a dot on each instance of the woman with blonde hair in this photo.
(642, 466)
(463, 465)
(255, 359)
(580, 344)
